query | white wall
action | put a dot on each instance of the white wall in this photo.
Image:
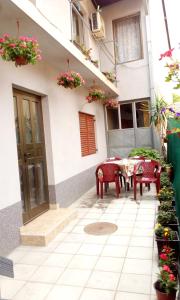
(133, 78)
(62, 137)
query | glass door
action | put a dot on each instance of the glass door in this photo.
(31, 154)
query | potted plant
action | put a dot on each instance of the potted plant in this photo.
(95, 62)
(166, 206)
(70, 80)
(164, 180)
(167, 257)
(23, 50)
(148, 153)
(112, 103)
(168, 218)
(166, 236)
(110, 76)
(166, 194)
(166, 285)
(95, 94)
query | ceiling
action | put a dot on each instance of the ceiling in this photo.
(102, 3)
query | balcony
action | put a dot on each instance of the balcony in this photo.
(56, 47)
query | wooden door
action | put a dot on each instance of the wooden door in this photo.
(31, 154)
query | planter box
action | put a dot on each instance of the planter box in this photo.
(173, 226)
(174, 244)
(171, 210)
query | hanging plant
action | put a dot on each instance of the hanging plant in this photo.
(95, 94)
(70, 80)
(23, 50)
(110, 76)
(112, 103)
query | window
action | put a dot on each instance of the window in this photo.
(87, 134)
(142, 114)
(78, 30)
(112, 118)
(127, 35)
(126, 115)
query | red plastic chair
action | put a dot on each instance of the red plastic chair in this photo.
(106, 173)
(150, 174)
(113, 158)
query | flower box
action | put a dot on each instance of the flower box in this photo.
(174, 244)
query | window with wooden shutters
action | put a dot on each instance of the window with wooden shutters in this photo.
(87, 134)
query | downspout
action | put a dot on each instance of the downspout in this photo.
(166, 24)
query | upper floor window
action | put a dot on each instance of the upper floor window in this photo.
(78, 28)
(127, 36)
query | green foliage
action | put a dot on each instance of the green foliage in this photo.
(166, 217)
(166, 194)
(148, 153)
(165, 206)
(164, 180)
(167, 280)
(164, 232)
(110, 76)
(158, 116)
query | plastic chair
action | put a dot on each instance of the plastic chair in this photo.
(150, 174)
(113, 158)
(106, 173)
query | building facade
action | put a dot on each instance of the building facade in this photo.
(51, 138)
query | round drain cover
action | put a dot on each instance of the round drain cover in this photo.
(100, 228)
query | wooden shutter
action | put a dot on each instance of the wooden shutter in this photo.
(87, 134)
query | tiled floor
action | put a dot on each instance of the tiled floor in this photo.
(78, 266)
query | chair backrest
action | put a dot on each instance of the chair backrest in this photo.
(108, 172)
(137, 157)
(113, 158)
(149, 168)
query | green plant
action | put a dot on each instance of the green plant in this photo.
(167, 257)
(164, 180)
(165, 206)
(158, 116)
(110, 76)
(148, 153)
(166, 217)
(70, 80)
(165, 233)
(166, 194)
(167, 280)
(95, 94)
(95, 62)
(23, 50)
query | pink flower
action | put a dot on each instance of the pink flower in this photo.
(39, 57)
(2, 40)
(12, 45)
(166, 268)
(163, 256)
(172, 277)
(166, 54)
(23, 46)
(6, 35)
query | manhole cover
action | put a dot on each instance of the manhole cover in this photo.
(100, 228)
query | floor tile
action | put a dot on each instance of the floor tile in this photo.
(90, 249)
(95, 294)
(139, 252)
(137, 266)
(101, 280)
(58, 260)
(33, 258)
(78, 229)
(74, 277)
(144, 224)
(111, 264)
(141, 241)
(83, 262)
(96, 239)
(64, 292)
(23, 272)
(148, 232)
(131, 296)
(33, 291)
(127, 217)
(10, 287)
(67, 248)
(47, 274)
(118, 240)
(75, 238)
(123, 231)
(135, 283)
(114, 251)
(16, 255)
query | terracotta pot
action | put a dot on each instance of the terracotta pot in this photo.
(21, 61)
(164, 296)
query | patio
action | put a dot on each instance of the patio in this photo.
(79, 266)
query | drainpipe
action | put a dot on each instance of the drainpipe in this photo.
(166, 24)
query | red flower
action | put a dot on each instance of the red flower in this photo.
(167, 249)
(163, 256)
(166, 54)
(166, 268)
(172, 277)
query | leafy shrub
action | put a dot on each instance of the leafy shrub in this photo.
(165, 206)
(166, 217)
(146, 152)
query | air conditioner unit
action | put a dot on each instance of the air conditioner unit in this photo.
(97, 23)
